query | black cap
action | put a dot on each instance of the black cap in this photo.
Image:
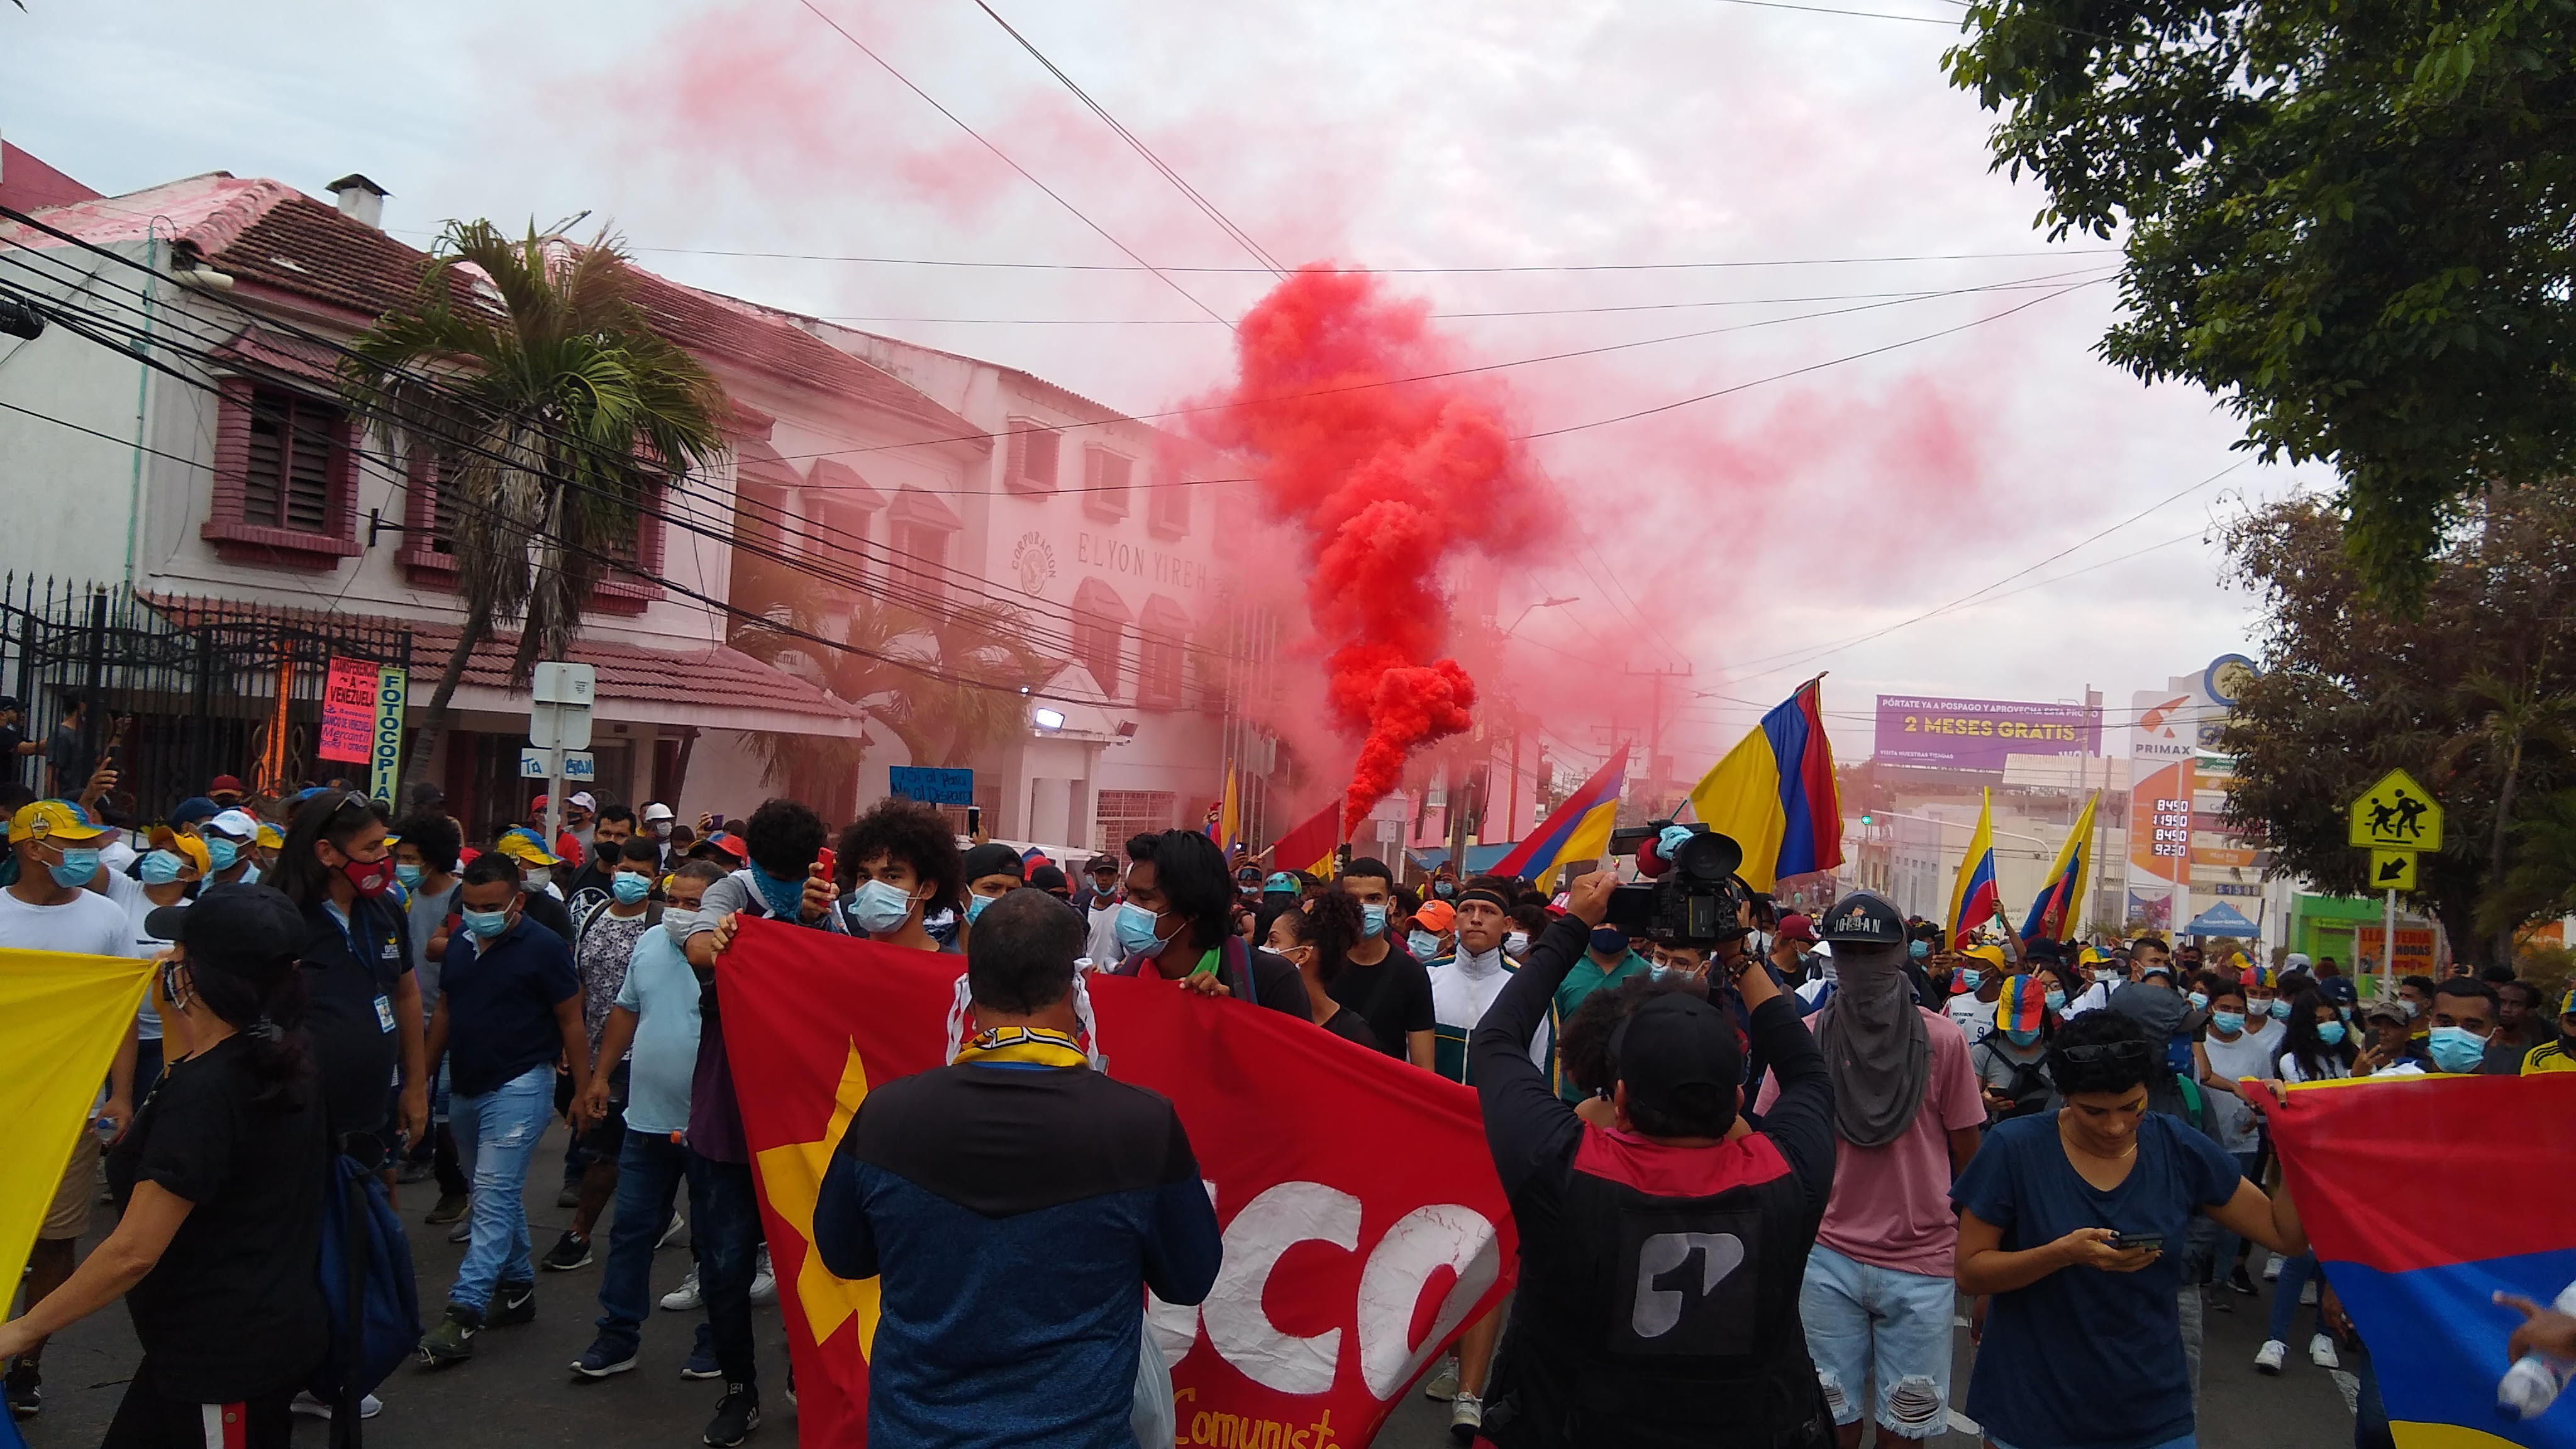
(1864, 919)
(1678, 1054)
(8, 701)
(993, 858)
(1048, 878)
(2044, 949)
(251, 923)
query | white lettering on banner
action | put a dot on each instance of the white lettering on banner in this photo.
(1422, 1242)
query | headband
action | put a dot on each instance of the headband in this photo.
(1486, 894)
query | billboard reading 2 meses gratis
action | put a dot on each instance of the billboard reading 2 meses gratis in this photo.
(1976, 734)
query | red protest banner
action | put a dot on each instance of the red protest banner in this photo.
(348, 712)
(1364, 1226)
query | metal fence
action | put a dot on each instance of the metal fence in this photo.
(179, 689)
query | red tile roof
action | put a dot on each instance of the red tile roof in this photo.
(306, 247)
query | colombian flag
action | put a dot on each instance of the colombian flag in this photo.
(1977, 898)
(1579, 829)
(2053, 914)
(1774, 794)
(2417, 1267)
(1309, 847)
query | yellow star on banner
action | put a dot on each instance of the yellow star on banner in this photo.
(793, 1175)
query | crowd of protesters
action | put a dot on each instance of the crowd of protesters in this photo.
(2067, 1143)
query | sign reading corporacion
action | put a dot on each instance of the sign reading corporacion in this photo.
(1976, 734)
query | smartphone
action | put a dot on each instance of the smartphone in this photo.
(2126, 1241)
(715, 822)
(974, 820)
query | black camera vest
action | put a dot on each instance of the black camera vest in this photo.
(1660, 1299)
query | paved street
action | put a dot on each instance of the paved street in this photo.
(518, 1392)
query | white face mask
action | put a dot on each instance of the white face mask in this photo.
(679, 923)
(536, 876)
(1515, 942)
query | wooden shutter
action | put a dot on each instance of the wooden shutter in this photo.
(292, 443)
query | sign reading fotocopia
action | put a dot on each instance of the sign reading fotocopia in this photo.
(1976, 734)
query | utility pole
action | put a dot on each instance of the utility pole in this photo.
(1655, 738)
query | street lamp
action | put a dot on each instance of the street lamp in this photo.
(1547, 603)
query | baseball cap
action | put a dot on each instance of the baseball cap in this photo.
(2568, 1006)
(269, 837)
(2297, 961)
(730, 843)
(192, 810)
(1280, 882)
(657, 811)
(585, 800)
(250, 924)
(1795, 927)
(10, 701)
(236, 823)
(1436, 916)
(1992, 955)
(1678, 1054)
(1100, 863)
(53, 820)
(522, 845)
(1049, 878)
(537, 806)
(993, 858)
(225, 785)
(1863, 919)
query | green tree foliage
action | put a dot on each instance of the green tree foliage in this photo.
(2474, 693)
(2352, 223)
(525, 375)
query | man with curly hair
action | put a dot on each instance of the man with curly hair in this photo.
(898, 865)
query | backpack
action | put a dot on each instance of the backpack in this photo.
(2029, 1089)
(367, 1286)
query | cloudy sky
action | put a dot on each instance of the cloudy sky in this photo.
(1790, 209)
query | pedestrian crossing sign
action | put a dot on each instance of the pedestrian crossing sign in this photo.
(2396, 814)
(2392, 870)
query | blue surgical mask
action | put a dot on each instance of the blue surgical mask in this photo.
(2280, 1009)
(1970, 978)
(1135, 927)
(1372, 921)
(1443, 889)
(1422, 944)
(78, 867)
(878, 908)
(2055, 1000)
(629, 887)
(1918, 949)
(2330, 1032)
(486, 924)
(2456, 1048)
(2021, 1035)
(222, 854)
(161, 867)
(1609, 941)
(975, 905)
(2199, 1000)
(2230, 1022)
(410, 876)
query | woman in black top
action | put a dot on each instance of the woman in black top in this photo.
(1317, 940)
(220, 1183)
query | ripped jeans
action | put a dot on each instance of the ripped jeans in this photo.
(1867, 1324)
(496, 1135)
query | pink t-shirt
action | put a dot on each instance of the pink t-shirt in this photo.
(1891, 1204)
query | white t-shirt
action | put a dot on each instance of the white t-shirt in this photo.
(2093, 998)
(2290, 1070)
(88, 924)
(140, 944)
(1101, 942)
(2230, 1120)
(1974, 1018)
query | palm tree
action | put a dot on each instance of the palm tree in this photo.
(549, 409)
(2506, 718)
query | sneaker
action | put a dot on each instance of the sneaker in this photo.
(604, 1357)
(686, 1298)
(463, 1232)
(415, 1169)
(512, 1303)
(737, 1414)
(311, 1407)
(1466, 1417)
(570, 1197)
(1442, 1386)
(2308, 1294)
(701, 1362)
(451, 1207)
(26, 1390)
(764, 1284)
(672, 1233)
(2272, 1267)
(2321, 1352)
(451, 1340)
(568, 1253)
(2238, 1282)
(2268, 1358)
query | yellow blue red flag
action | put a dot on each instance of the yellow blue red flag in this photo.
(1578, 829)
(1978, 896)
(62, 1018)
(1774, 793)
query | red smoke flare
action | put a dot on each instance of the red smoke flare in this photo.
(1386, 484)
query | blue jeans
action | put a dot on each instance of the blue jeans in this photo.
(724, 1224)
(649, 1171)
(1867, 1324)
(496, 1133)
(2295, 1274)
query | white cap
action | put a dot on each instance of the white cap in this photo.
(235, 823)
(657, 811)
(582, 799)
(2298, 961)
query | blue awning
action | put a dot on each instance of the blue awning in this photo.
(2219, 920)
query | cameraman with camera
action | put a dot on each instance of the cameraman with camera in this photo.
(1661, 1260)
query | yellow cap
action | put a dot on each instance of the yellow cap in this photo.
(52, 820)
(269, 839)
(184, 844)
(1993, 954)
(522, 845)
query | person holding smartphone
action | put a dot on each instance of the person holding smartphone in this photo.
(2066, 1218)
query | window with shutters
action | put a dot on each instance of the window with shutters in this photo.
(1104, 482)
(1029, 465)
(1160, 637)
(285, 478)
(1100, 620)
(432, 507)
(1124, 814)
(1167, 507)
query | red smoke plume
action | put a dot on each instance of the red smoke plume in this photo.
(1385, 484)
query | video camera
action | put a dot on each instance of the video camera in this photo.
(1692, 896)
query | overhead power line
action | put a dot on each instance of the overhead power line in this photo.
(1382, 271)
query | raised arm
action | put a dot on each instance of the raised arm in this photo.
(1525, 1123)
